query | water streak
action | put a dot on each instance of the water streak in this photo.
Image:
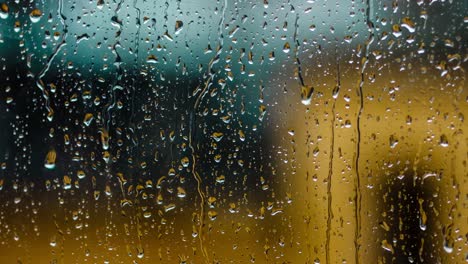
(45, 69)
(193, 124)
(357, 200)
(330, 166)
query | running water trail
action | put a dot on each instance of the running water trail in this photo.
(357, 200)
(40, 84)
(117, 62)
(296, 52)
(135, 74)
(193, 127)
(330, 164)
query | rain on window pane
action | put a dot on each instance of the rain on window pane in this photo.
(136, 131)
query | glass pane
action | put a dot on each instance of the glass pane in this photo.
(233, 131)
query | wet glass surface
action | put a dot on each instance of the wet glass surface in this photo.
(185, 131)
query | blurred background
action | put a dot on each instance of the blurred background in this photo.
(186, 131)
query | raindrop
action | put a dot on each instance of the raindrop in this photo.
(35, 15)
(178, 26)
(181, 192)
(408, 24)
(286, 47)
(4, 9)
(53, 241)
(212, 215)
(185, 161)
(220, 179)
(306, 94)
(393, 141)
(152, 59)
(443, 141)
(217, 136)
(66, 182)
(448, 246)
(88, 119)
(387, 246)
(50, 159)
(81, 174)
(336, 92)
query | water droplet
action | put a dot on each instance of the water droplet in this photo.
(336, 92)
(185, 161)
(125, 202)
(181, 192)
(220, 179)
(152, 59)
(385, 226)
(53, 241)
(443, 141)
(387, 246)
(276, 211)
(217, 158)
(66, 182)
(393, 141)
(168, 36)
(348, 39)
(423, 216)
(50, 115)
(140, 252)
(50, 159)
(88, 119)
(232, 208)
(448, 245)
(4, 9)
(147, 214)
(178, 26)
(271, 56)
(212, 215)
(100, 4)
(396, 30)
(104, 138)
(81, 174)
(408, 24)
(241, 135)
(169, 207)
(217, 136)
(306, 94)
(409, 120)
(17, 26)
(211, 201)
(262, 110)
(35, 15)
(286, 47)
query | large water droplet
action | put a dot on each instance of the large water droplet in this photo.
(306, 94)
(50, 159)
(35, 15)
(4, 9)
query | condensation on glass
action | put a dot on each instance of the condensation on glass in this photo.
(184, 131)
